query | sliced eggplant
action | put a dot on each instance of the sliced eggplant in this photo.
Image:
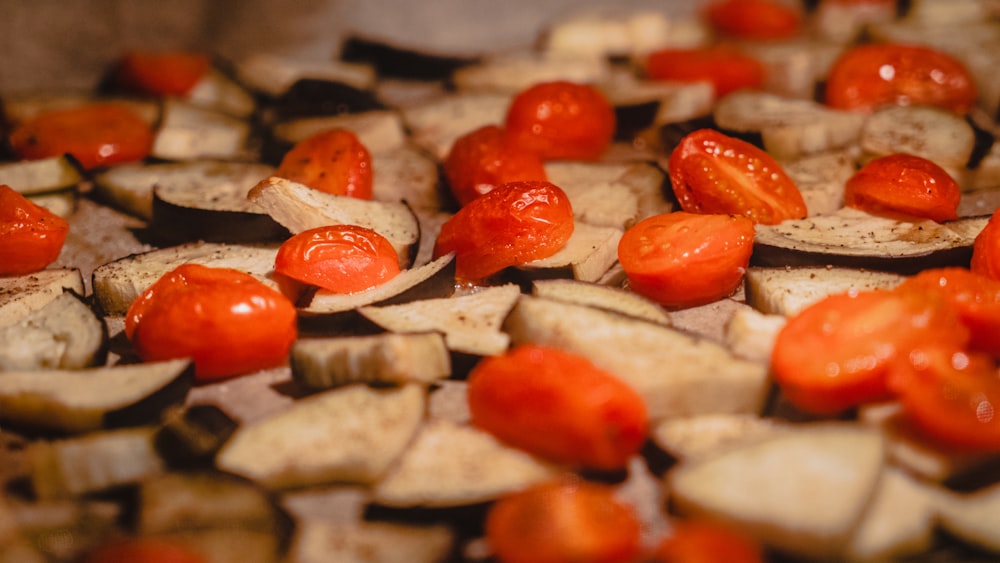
(407, 174)
(708, 321)
(454, 465)
(88, 399)
(640, 104)
(821, 179)
(786, 291)
(22, 295)
(378, 130)
(933, 133)
(844, 22)
(617, 32)
(855, 239)
(322, 363)
(677, 374)
(273, 75)
(93, 463)
(750, 334)
(190, 132)
(899, 522)
(191, 435)
(692, 438)
(350, 434)
(317, 96)
(44, 175)
(587, 255)
(515, 71)
(435, 125)
(298, 208)
(613, 194)
(218, 91)
(384, 542)
(64, 334)
(602, 297)
(397, 61)
(793, 68)
(117, 284)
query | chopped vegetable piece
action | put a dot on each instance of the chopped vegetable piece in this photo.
(162, 73)
(754, 19)
(986, 249)
(975, 297)
(485, 158)
(904, 184)
(561, 121)
(685, 259)
(31, 236)
(705, 541)
(143, 550)
(333, 161)
(226, 320)
(725, 67)
(338, 258)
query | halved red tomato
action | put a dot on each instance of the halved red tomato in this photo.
(754, 19)
(726, 68)
(338, 258)
(904, 184)
(162, 73)
(986, 249)
(31, 237)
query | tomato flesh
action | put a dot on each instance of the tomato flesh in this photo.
(561, 521)
(975, 297)
(754, 19)
(869, 76)
(986, 249)
(338, 258)
(561, 121)
(162, 73)
(96, 135)
(227, 321)
(143, 550)
(705, 541)
(31, 237)
(558, 406)
(904, 184)
(714, 173)
(485, 158)
(685, 259)
(513, 224)
(726, 68)
(333, 161)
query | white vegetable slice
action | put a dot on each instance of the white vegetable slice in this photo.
(21, 295)
(586, 256)
(40, 176)
(219, 92)
(899, 522)
(750, 334)
(378, 130)
(821, 179)
(935, 134)
(190, 132)
(407, 174)
(65, 334)
(621, 32)
(351, 434)
(792, 68)
(610, 194)
(801, 491)
(972, 517)
(602, 297)
(318, 541)
(320, 363)
(435, 125)
(786, 291)
(516, 71)
(274, 74)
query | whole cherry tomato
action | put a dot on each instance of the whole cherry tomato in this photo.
(510, 225)
(904, 184)
(951, 396)
(837, 353)
(558, 406)
(338, 258)
(754, 19)
(226, 320)
(726, 68)
(705, 541)
(561, 521)
(869, 76)
(715, 173)
(685, 259)
(143, 550)
(986, 249)
(975, 297)
(333, 161)
(31, 236)
(97, 134)
(561, 121)
(485, 158)
(161, 73)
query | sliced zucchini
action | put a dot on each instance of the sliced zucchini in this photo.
(694, 438)
(190, 132)
(22, 295)
(786, 291)
(40, 176)
(64, 334)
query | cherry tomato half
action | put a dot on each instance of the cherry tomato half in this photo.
(561, 121)
(715, 173)
(705, 541)
(685, 259)
(143, 550)
(559, 406)
(333, 161)
(95, 134)
(162, 73)
(338, 258)
(986, 249)
(726, 68)
(485, 158)
(904, 184)
(513, 224)
(869, 76)
(561, 521)
(975, 297)
(31, 236)
(754, 19)
(226, 320)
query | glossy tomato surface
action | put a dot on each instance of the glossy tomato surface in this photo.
(986, 249)
(486, 158)
(162, 73)
(706, 541)
(333, 161)
(338, 258)
(685, 259)
(714, 173)
(226, 320)
(97, 135)
(975, 297)
(904, 184)
(870, 76)
(558, 406)
(725, 67)
(513, 224)
(561, 121)
(754, 19)
(31, 237)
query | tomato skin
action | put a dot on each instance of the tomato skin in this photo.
(754, 19)
(561, 521)
(975, 297)
(704, 541)
(685, 259)
(726, 68)
(513, 224)
(31, 237)
(561, 121)
(837, 353)
(951, 396)
(869, 76)
(226, 320)
(986, 249)
(161, 73)
(904, 184)
(338, 258)
(333, 161)
(714, 173)
(99, 134)
(558, 406)
(143, 550)
(485, 158)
